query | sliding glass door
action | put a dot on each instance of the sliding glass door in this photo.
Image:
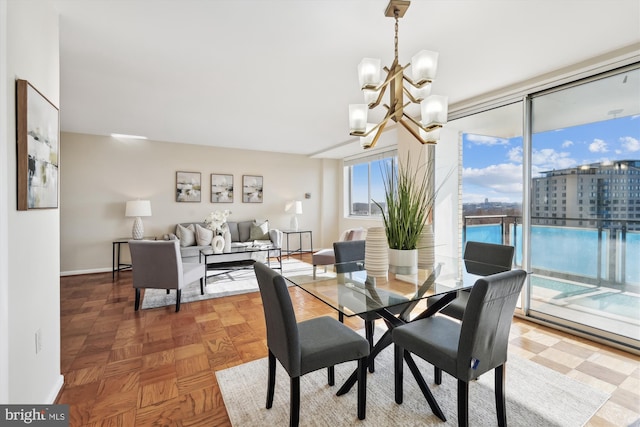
(585, 205)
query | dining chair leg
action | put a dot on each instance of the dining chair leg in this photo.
(369, 326)
(331, 376)
(463, 403)
(398, 374)
(437, 375)
(362, 388)
(137, 303)
(202, 286)
(178, 300)
(500, 399)
(271, 380)
(167, 291)
(340, 317)
(294, 416)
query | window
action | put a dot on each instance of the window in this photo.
(366, 182)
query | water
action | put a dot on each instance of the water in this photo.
(570, 250)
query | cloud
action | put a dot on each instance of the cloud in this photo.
(505, 179)
(630, 143)
(545, 159)
(486, 140)
(598, 146)
(567, 143)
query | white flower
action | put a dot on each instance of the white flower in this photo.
(216, 220)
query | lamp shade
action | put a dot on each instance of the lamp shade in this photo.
(434, 110)
(369, 72)
(298, 207)
(358, 117)
(138, 208)
(424, 65)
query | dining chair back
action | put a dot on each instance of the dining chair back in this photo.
(482, 259)
(466, 349)
(305, 346)
(158, 264)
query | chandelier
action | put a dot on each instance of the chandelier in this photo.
(433, 108)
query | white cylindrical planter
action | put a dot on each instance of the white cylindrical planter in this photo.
(227, 241)
(403, 261)
(426, 252)
(376, 252)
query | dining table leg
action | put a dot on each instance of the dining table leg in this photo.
(385, 341)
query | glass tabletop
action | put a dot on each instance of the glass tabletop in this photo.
(351, 291)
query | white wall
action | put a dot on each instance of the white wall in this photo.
(33, 240)
(99, 174)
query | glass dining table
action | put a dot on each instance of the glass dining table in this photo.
(351, 291)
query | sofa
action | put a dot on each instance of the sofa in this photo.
(194, 236)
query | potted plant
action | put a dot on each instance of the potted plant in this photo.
(409, 199)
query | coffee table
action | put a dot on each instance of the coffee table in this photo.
(240, 258)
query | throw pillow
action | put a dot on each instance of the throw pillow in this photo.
(259, 231)
(203, 235)
(186, 235)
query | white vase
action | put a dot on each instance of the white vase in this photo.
(403, 261)
(217, 244)
(376, 252)
(227, 241)
(426, 252)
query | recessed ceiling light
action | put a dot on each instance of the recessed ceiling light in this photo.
(123, 135)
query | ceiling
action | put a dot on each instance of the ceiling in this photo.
(278, 75)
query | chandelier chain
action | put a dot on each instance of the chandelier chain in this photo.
(395, 40)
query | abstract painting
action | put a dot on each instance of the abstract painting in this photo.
(38, 133)
(221, 188)
(188, 187)
(251, 189)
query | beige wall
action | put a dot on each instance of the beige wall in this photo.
(30, 283)
(99, 174)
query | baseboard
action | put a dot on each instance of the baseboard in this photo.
(91, 271)
(53, 396)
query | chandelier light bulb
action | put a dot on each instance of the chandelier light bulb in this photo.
(358, 117)
(424, 65)
(369, 71)
(434, 110)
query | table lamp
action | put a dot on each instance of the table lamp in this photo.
(138, 208)
(297, 210)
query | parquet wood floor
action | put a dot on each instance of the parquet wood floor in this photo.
(156, 367)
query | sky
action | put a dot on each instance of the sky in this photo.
(493, 166)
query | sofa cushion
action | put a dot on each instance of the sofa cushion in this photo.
(187, 235)
(244, 228)
(259, 231)
(233, 229)
(203, 235)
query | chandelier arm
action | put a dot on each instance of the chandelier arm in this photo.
(382, 123)
(379, 99)
(417, 123)
(415, 134)
(419, 84)
(388, 79)
(378, 134)
(411, 98)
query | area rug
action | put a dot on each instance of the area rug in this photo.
(221, 284)
(536, 396)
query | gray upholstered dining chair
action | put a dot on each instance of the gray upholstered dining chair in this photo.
(157, 264)
(346, 253)
(466, 349)
(499, 257)
(307, 346)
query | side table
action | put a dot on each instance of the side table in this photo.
(288, 233)
(116, 265)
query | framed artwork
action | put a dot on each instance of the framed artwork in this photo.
(221, 188)
(251, 189)
(38, 133)
(188, 187)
